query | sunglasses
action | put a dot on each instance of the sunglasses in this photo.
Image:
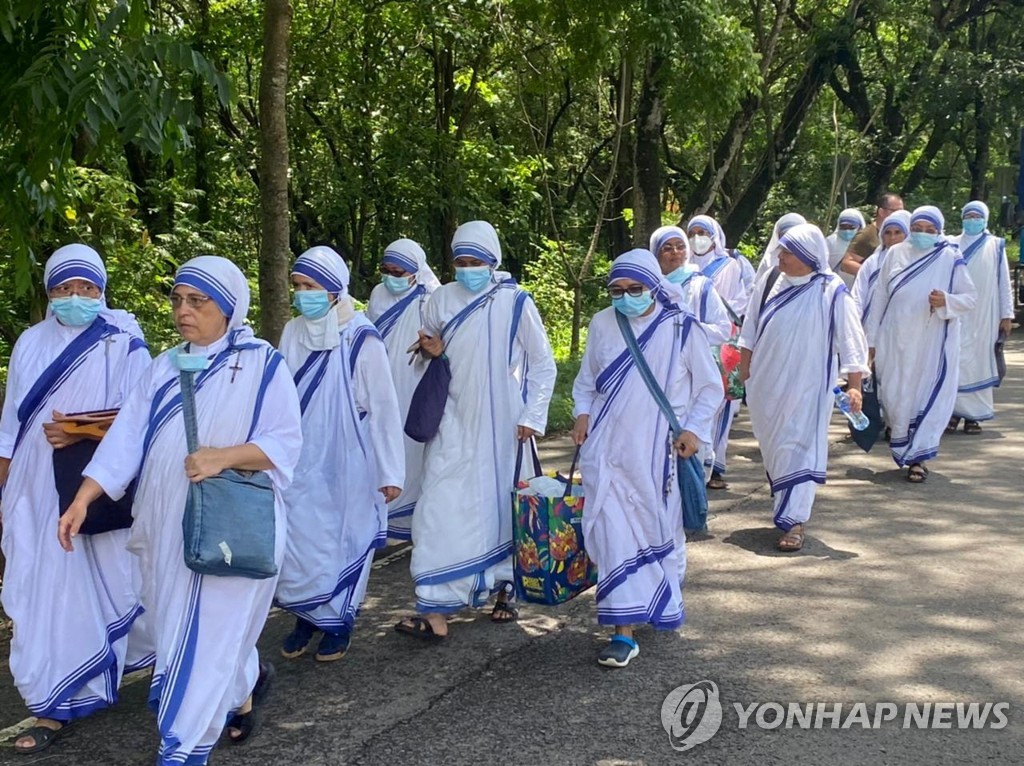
(634, 292)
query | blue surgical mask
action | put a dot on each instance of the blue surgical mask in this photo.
(680, 275)
(473, 278)
(185, 362)
(397, 285)
(629, 306)
(974, 226)
(922, 240)
(76, 310)
(847, 234)
(312, 304)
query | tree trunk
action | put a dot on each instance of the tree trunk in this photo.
(275, 255)
(647, 156)
(982, 139)
(203, 143)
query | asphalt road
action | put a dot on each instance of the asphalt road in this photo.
(903, 594)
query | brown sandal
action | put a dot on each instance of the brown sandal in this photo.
(972, 427)
(917, 473)
(716, 481)
(792, 540)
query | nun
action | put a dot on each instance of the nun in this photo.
(913, 329)
(850, 222)
(205, 627)
(770, 257)
(397, 307)
(985, 258)
(801, 332)
(502, 377)
(707, 242)
(72, 614)
(633, 521)
(352, 460)
(895, 229)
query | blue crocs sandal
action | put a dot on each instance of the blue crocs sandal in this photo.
(295, 643)
(332, 647)
(619, 651)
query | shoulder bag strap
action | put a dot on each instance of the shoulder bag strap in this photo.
(647, 375)
(773, 277)
(188, 409)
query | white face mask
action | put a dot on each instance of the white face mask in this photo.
(700, 244)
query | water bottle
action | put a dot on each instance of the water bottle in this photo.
(858, 419)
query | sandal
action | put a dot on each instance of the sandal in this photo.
(792, 540)
(505, 609)
(716, 481)
(618, 652)
(419, 627)
(42, 738)
(972, 427)
(953, 423)
(916, 473)
(246, 723)
(332, 647)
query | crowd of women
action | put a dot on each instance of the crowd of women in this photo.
(322, 416)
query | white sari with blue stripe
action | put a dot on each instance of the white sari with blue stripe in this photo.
(794, 340)
(503, 374)
(398, 319)
(917, 349)
(72, 611)
(633, 518)
(351, 446)
(989, 270)
(204, 627)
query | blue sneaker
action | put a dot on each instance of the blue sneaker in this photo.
(619, 651)
(332, 647)
(295, 642)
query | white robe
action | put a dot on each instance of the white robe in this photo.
(987, 266)
(462, 529)
(917, 349)
(71, 611)
(399, 319)
(702, 299)
(836, 252)
(633, 517)
(864, 282)
(351, 446)
(794, 342)
(205, 627)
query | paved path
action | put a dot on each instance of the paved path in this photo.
(903, 594)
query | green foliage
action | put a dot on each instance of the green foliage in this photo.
(560, 417)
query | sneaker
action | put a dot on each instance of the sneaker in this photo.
(332, 647)
(619, 651)
(295, 642)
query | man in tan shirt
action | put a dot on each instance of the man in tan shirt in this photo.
(866, 241)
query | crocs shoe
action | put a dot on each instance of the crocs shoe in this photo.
(619, 651)
(332, 647)
(295, 642)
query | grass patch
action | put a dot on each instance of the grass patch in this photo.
(560, 417)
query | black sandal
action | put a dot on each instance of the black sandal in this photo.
(42, 736)
(419, 627)
(505, 609)
(917, 473)
(953, 423)
(972, 427)
(246, 723)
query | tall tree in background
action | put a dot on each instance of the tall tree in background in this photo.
(274, 253)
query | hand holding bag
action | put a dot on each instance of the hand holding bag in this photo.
(228, 524)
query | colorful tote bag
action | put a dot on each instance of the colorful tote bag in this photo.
(551, 565)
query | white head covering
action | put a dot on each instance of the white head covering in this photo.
(931, 214)
(78, 261)
(408, 255)
(222, 281)
(477, 239)
(709, 224)
(807, 243)
(324, 266)
(664, 234)
(784, 224)
(851, 217)
(641, 266)
(975, 206)
(75, 261)
(898, 219)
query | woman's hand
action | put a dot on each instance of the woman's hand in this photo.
(687, 444)
(856, 399)
(430, 346)
(204, 463)
(1005, 325)
(525, 433)
(580, 429)
(69, 524)
(744, 368)
(936, 299)
(57, 436)
(390, 493)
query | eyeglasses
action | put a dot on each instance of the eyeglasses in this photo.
(670, 246)
(634, 291)
(193, 301)
(86, 289)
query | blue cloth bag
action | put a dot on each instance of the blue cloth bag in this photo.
(228, 524)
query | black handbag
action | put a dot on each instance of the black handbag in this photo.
(1000, 356)
(104, 514)
(872, 408)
